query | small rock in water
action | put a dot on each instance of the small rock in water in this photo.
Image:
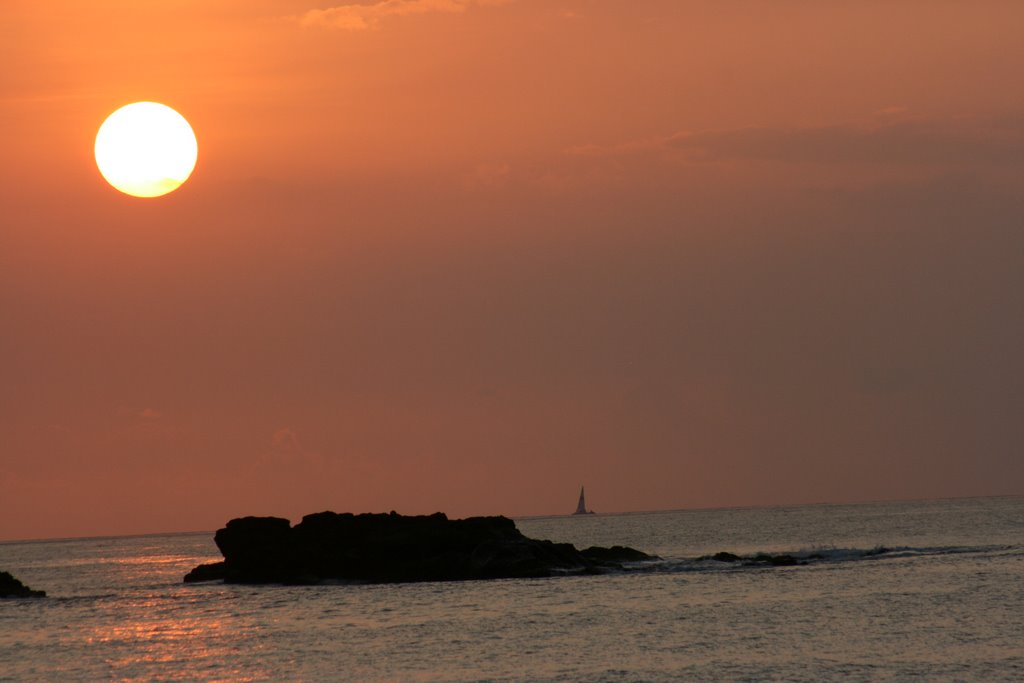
(10, 587)
(782, 561)
(725, 557)
(755, 561)
(774, 560)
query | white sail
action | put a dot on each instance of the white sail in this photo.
(581, 507)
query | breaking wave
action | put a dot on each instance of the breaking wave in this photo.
(727, 561)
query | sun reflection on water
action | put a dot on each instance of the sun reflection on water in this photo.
(175, 636)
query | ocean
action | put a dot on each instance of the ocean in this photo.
(926, 590)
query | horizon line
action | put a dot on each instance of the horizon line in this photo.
(99, 537)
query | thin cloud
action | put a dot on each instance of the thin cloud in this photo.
(287, 450)
(355, 17)
(905, 142)
(285, 439)
(489, 175)
(894, 110)
(134, 413)
(620, 149)
(957, 142)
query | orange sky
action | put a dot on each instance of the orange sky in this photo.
(465, 255)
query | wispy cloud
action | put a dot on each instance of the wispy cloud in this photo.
(952, 142)
(910, 142)
(285, 439)
(287, 450)
(359, 17)
(135, 413)
(489, 175)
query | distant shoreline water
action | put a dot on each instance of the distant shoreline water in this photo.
(542, 516)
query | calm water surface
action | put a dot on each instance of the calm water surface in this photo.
(928, 590)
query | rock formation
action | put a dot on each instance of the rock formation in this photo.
(10, 587)
(389, 548)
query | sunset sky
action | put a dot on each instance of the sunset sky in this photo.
(467, 255)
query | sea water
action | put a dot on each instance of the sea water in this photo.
(892, 591)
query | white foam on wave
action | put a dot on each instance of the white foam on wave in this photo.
(726, 561)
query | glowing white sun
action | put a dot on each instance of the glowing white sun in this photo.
(146, 149)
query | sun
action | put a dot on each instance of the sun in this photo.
(146, 149)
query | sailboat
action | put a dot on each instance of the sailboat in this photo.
(581, 507)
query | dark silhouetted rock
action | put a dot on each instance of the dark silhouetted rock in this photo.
(10, 587)
(761, 559)
(723, 557)
(260, 548)
(774, 560)
(214, 571)
(388, 548)
(617, 553)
